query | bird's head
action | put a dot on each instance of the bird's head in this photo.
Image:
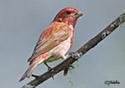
(68, 15)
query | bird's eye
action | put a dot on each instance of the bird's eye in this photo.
(68, 12)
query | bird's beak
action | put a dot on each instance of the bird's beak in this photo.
(78, 14)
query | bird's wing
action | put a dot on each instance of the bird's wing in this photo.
(50, 38)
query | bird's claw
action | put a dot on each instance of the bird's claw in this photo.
(50, 69)
(75, 55)
(72, 54)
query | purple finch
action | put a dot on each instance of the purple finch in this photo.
(55, 41)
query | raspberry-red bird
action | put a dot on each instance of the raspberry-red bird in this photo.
(55, 41)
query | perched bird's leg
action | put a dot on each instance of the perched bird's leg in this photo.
(72, 54)
(49, 68)
(56, 40)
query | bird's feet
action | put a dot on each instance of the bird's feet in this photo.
(75, 55)
(72, 54)
(49, 69)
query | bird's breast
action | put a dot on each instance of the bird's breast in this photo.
(64, 46)
(61, 49)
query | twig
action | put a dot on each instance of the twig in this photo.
(79, 53)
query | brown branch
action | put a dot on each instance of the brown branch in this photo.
(76, 55)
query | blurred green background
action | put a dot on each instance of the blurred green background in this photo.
(21, 23)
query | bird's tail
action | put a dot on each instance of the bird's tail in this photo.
(31, 68)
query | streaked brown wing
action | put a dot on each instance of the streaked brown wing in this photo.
(51, 42)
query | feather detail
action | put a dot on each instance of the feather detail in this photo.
(31, 68)
(51, 39)
(55, 41)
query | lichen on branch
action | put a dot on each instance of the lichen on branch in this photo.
(78, 54)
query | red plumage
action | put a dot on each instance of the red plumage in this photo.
(55, 41)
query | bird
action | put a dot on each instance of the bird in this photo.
(55, 40)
